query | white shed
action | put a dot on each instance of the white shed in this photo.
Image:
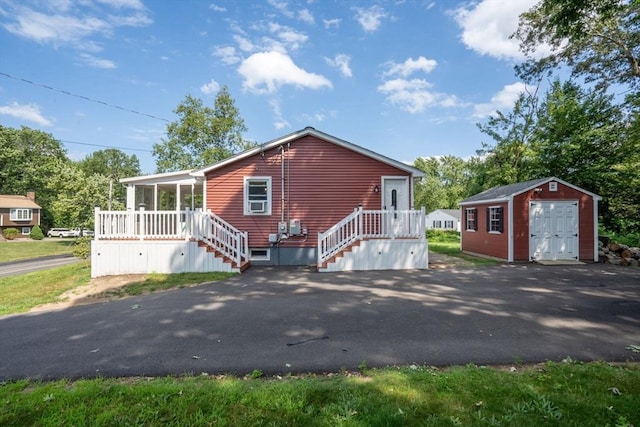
(444, 219)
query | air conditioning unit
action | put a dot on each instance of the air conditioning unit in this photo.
(258, 207)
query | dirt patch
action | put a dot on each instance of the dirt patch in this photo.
(91, 293)
(441, 261)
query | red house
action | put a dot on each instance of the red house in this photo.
(307, 198)
(544, 219)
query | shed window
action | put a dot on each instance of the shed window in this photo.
(257, 195)
(437, 224)
(471, 219)
(495, 219)
(20, 214)
(448, 225)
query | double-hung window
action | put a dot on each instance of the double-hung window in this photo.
(437, 224)
(448, 225)
(257, 195)
(16, 214)
(471, 219)
(495, 219)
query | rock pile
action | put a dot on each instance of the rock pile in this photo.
(618, 254)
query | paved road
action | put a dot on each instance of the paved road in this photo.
(23, 267)
(296, 320)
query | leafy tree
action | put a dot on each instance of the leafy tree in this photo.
(113, 164)
(598, 39)
(509, 158)
(445, 182)
(201, 135)
(28, 159)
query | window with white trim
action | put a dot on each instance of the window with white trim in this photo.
(16, 214)
(259, 254)
(26, 231)
(495, 219)
(257, 195)
(437, 223)
(448, 225)
(471, 219)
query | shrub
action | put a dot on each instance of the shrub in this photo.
(36, 233)
(82, 248)
(438, 235)
(10, 233)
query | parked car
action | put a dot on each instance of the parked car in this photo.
(75, 232)
(87, 232)
(57, 232)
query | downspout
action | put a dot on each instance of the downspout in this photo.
(288, 183)
(282, 183)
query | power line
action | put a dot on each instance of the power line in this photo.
(86, 98)
(106, 146)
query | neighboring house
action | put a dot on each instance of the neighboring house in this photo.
(444, 219)
(537, 220)
(307, 198)
(20, 212)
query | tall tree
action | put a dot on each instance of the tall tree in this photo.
(114, 165)
(598, 39)
(508, 158)
(201, 135)
(445, 182)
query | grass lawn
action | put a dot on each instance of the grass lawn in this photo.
(552, 394)
(19, 250)
(448, 243)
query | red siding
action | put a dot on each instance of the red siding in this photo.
(521, 219)
(481, 241)
(326, 182)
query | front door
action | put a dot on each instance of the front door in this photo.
(553, 230)
(396, 198)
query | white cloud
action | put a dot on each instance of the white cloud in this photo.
(244, 43)
(28, 112)
(56, 29)
(209, 88)
(227, 54)
(410, 66)
(96, 62)
(282, 7)
(217, 8)
(121, 4)
(415, 95)
(265, 72)
(328, 23)
(305, 16)
(505, 99)
(279, 123)
(486, 27)
(341, 62)
(370, 19)
(289, 36)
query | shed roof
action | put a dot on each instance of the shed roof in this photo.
(11, 201)
(318, 134)
(504, 192)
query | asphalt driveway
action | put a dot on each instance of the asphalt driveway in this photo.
(282, 320)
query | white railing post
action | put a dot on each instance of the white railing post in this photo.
(96, 222)
(423, 224)
(360, 222)
(188, 221)
(143, 224)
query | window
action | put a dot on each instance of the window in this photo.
(494, 219)
(448, 225)
(553, 186)
(437, 224)
(20, 214)
(257, 195)
(259, 254)
(471, 219)
(26, 231)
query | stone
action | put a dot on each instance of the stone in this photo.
(634, 262)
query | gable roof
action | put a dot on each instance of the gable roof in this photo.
(452, 212)
(504, 192)
(11, 201)
(318, 134)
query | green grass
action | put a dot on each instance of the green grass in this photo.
(15, 251)
(594, 394)
(23, 292)
(448, 243)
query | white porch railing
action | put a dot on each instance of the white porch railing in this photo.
(149, 225)
(370, 224)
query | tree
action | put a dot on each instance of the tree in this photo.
(598, 39)
(445, 182)
(113, 164)
(28, 159)
(201, 135)
(508, 159)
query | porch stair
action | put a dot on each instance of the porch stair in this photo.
(234, 265)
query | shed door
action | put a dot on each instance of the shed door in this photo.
(396, 198)
(553, 230)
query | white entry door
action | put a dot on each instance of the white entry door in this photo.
(396, 198)
(553, 230)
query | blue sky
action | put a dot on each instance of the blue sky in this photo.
(403, 78)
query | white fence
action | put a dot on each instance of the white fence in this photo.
(162, 225)
(370, 224)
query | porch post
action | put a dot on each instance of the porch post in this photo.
(360, 221)
(143, 224)
(188, 221)
(423, 224)
(178, 197)
(96, 222)
(131, 196)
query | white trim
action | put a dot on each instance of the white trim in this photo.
(558, 201)
(266, 257)
(406, 184)
(510, 241)
(245, 196)
(415, 172)
(489, 219)
(13, 214)
(184, 175)
(596, 256)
